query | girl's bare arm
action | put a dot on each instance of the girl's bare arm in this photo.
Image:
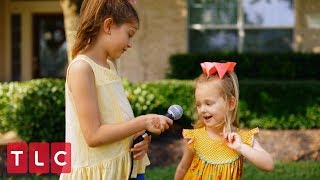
(81, 83)
(184, 163)
(255, 154)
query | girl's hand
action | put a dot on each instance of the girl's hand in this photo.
(140, 149)
(234, 140)
(157, 123)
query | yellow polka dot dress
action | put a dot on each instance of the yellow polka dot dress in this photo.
(213, 159)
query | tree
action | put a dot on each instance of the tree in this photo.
(71, 9)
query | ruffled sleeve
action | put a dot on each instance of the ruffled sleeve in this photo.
(248, 136)
(189, 135)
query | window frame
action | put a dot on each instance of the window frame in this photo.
(240, 26)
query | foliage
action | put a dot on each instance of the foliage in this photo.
(262, 66)
(280, 104)
(35, 109)
(157, 97)
(271, 105)
(10, 94)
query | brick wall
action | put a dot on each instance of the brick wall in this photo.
(307, 37)
(163, 31)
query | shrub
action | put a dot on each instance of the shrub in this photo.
(10, 95)
(35, 109)
(263, 66)
(271, 105)
(158, 96)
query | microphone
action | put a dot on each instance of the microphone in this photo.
(174, 112)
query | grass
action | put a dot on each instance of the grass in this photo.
(306, 170)
(30, 177)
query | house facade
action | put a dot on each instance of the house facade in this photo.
(32, 40)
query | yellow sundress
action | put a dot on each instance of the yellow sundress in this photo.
(213, 159)
(110, 161)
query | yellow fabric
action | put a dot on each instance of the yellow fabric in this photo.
(213, 159)
(110, 161)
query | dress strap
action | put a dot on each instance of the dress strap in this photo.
(248, 136)
(79, 57)
(111, 65)
(189, 134)
(254, 131)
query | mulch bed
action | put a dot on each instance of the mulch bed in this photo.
(284, 145)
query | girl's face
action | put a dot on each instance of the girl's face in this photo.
(120, 39)
(211, 106)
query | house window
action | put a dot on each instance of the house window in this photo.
(49, 46)
(241, 25)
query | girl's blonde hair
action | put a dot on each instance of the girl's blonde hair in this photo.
(92, 15)
(229, 88)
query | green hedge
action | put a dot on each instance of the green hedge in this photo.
(35, 109)
(264, 66)
(266, 104)
(280, 104)
(157, 97)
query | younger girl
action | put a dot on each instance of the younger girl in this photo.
(216, 146)
(99, 120)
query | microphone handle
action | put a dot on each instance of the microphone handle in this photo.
(147, 133)
(141, 137)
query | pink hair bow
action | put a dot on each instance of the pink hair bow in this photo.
(210, 68)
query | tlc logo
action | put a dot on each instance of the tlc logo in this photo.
(17, 155)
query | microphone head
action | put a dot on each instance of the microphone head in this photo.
(176, 111)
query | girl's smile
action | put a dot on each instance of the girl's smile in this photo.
(211, 106)
(207, 119)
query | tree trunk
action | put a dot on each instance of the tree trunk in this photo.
(70, 10)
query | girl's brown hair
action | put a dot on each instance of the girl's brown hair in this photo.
(92, 15)
(229, 88)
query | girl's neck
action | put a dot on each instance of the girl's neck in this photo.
(98, 57)
(217, 132)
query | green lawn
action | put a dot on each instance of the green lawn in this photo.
(302, 170)
(306, 170)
